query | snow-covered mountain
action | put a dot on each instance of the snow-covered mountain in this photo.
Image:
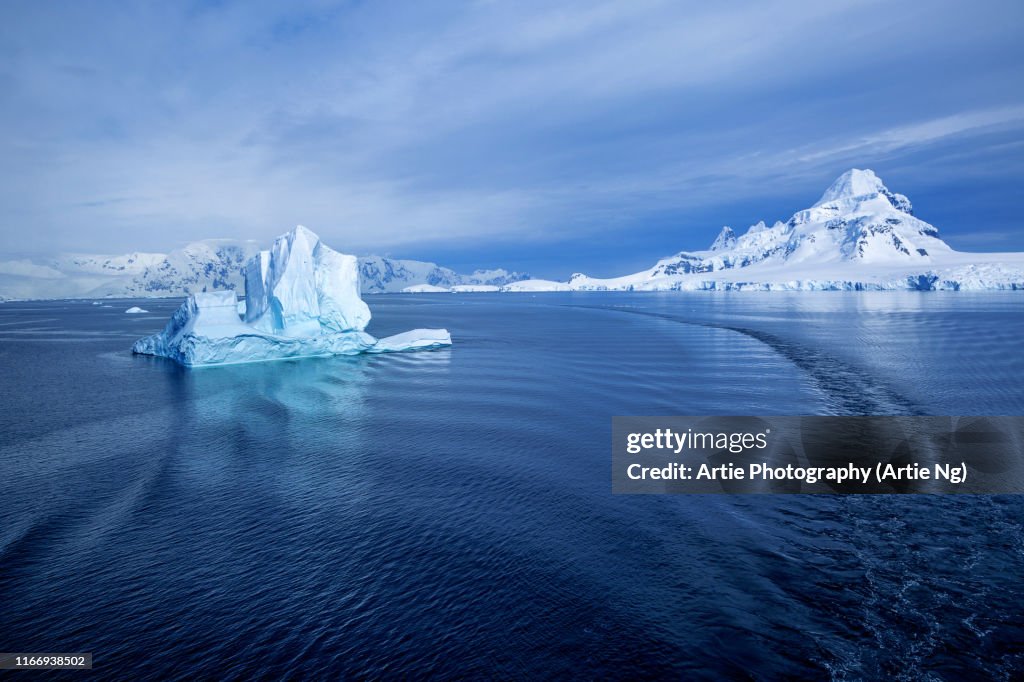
(128, 264)
(200, 266)
(380, 275)
(208, 265)
(859, 235)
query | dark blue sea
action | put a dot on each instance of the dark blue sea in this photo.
(449, 514)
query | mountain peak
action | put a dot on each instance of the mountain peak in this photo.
(303, 232)
(853, 183)
(856, 184)
(726, 239)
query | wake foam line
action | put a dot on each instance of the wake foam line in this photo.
(848, 389)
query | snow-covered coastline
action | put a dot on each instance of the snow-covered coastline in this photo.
(209, 265)
(859, 236)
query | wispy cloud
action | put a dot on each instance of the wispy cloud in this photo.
(389, 126)
(921, 133)
(987, 238)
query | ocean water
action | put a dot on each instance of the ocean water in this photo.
(450, 513)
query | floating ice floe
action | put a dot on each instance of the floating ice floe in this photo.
(135, 310)
(301, 300)
(426, 289)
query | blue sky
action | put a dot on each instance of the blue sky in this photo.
(541, 136)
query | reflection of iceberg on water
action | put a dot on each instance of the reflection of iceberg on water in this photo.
(301, 300)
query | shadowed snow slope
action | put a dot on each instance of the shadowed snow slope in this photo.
(302, 300)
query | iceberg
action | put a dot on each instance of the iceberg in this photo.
(426, 289)
(136, 310)
(302, 299)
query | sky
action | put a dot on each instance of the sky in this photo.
(546, 137)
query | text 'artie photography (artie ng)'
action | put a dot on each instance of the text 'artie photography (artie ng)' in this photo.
(677, 454)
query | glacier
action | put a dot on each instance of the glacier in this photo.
(302, 299)
(858, 236)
